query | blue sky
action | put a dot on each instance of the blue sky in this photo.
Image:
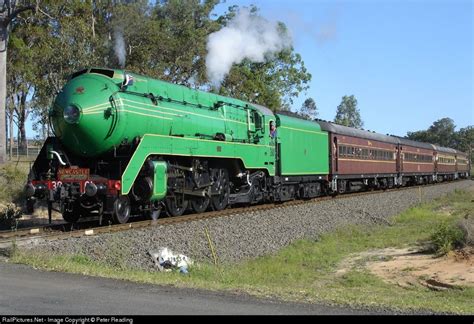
(407, 62)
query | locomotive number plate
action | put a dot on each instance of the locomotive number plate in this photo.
(70, 174)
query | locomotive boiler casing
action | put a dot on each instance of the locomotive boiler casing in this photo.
(101, 110)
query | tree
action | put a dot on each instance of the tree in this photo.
(184, 27)
(64, 38)
(22, 74)
(420, 136)
(9, 10)
(348, 114)
(163, 39)
(441, 132)
(465, 140)
(308, 110)
(273, 83)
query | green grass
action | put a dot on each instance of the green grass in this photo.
(305, 271)
(13, 176)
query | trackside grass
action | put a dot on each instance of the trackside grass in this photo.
(13, 177)
(306, 270)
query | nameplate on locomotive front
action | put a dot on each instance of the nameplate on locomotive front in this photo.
(73, 174)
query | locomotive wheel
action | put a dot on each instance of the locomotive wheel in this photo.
(175, 206)
(121, 210)
(220, 201)
(199, 205)
(71, 214)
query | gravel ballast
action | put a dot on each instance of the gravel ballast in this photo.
(246, 235)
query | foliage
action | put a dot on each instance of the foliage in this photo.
(309, 109)
(348, 114)
(442, 132)
(466, 225)
(446, 237)
(464, 141)
(9, 214)
(273, 83)
(163, 39)
(12, 181)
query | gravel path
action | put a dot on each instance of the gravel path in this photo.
(249, 235)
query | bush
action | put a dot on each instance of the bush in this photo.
(13, 177)
(466, 226)
(9, 214)
(446, 237)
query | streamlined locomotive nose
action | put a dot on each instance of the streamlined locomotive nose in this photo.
(84, 117)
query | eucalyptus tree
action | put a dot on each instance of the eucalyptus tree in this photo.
(9, 11)
(348, 114)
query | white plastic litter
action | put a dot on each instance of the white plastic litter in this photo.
(166, 260)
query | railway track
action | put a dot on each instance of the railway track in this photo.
(89, 227)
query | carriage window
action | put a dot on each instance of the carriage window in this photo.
(365, 153)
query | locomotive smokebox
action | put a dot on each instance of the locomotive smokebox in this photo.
(85, 115)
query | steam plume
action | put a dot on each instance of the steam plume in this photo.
(119, 48)
(247, 36)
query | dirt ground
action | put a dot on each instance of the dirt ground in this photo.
(38, 218)
(410, 267)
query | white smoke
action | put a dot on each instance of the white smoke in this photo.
(119, 48)
(247, 36)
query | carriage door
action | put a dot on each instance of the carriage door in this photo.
(400, 158)
(335, 154)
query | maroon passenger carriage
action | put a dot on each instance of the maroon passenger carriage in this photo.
(417, 162)
(361, 159)
(445, 163)
(462, 164)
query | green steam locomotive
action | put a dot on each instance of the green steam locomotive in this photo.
(127, 145)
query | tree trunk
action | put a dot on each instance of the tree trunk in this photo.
(22, 144)
(12, 140)
(3, 91)
(7, 129)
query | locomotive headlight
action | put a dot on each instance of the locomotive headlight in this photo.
(71, 114)
(91, 189)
